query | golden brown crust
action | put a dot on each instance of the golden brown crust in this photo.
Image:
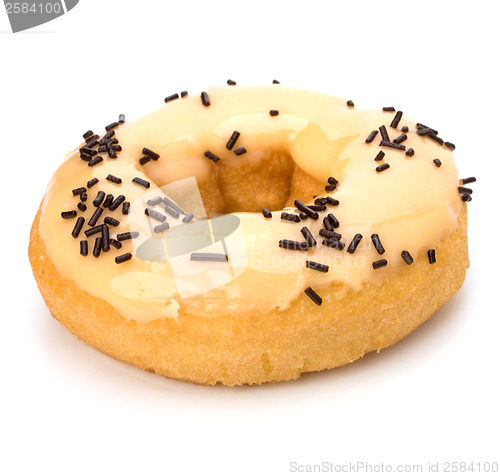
(259, 348)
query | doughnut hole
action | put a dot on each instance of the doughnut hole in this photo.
(261, 179)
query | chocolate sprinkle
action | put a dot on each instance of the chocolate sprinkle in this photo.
(112, 125)
(115, 243)
(466, 198)
(320, 201)
(305, 209)
(142, 182)
(371, 136)
(87, 150)
(117, 202)
(332, 181)
(378, 244)
(108, 200)
(95, 161)
(144, 160)
(188, 218)
(208, 257)
(97, 247)
(379, 264)
(172, 204)
(350, 103)
(384, 134)
(70, 214)
(172, 97)
(290, 217)
(266, 213)
(405, 129)
(332, 201)
(431, 254)
(232, 140)
(86, 157)
(421, 126)
(317, 208)
(88, 134)
(465, 190)
(78, 227)
(308, 236)
(111, 221)
(205, 99)
(212, 156)
(406, 257)
(303, 216)
(450, 145)
(333, 220)
(84, 248)
(114, 179)
(437, 163)
(105, 238)
(240, 151)
(273, 112)
(423, 131)
(81, 206)
(184, 94)
(92, 182)
(397, 118)
(323, 268)
(313, 296)
(230, 82)
(171, 211)
(354, 243)
(467, 180)
(128, 235)
(392, 145)
(380, 156)
(122, 258)
(125, 208)
(326, 224)
(154, 201)
(410, 152)
(150, 153)
(162, 227)
(330, 234)
(155, 215)
(107, 136)
(121, 118)
(93, 231)
(294, 245)
(78, 191)
(275, 81)
(388, 109)
(400, 139)
(435, 138)
(382, 167)
(95, 217)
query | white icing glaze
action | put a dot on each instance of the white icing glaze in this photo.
(412, 206)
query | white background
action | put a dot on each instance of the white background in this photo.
(434, 397)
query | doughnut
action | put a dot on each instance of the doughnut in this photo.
(245, 235)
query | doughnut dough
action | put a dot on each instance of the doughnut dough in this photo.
(254, 349)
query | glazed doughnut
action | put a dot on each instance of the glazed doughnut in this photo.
(250, 234)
